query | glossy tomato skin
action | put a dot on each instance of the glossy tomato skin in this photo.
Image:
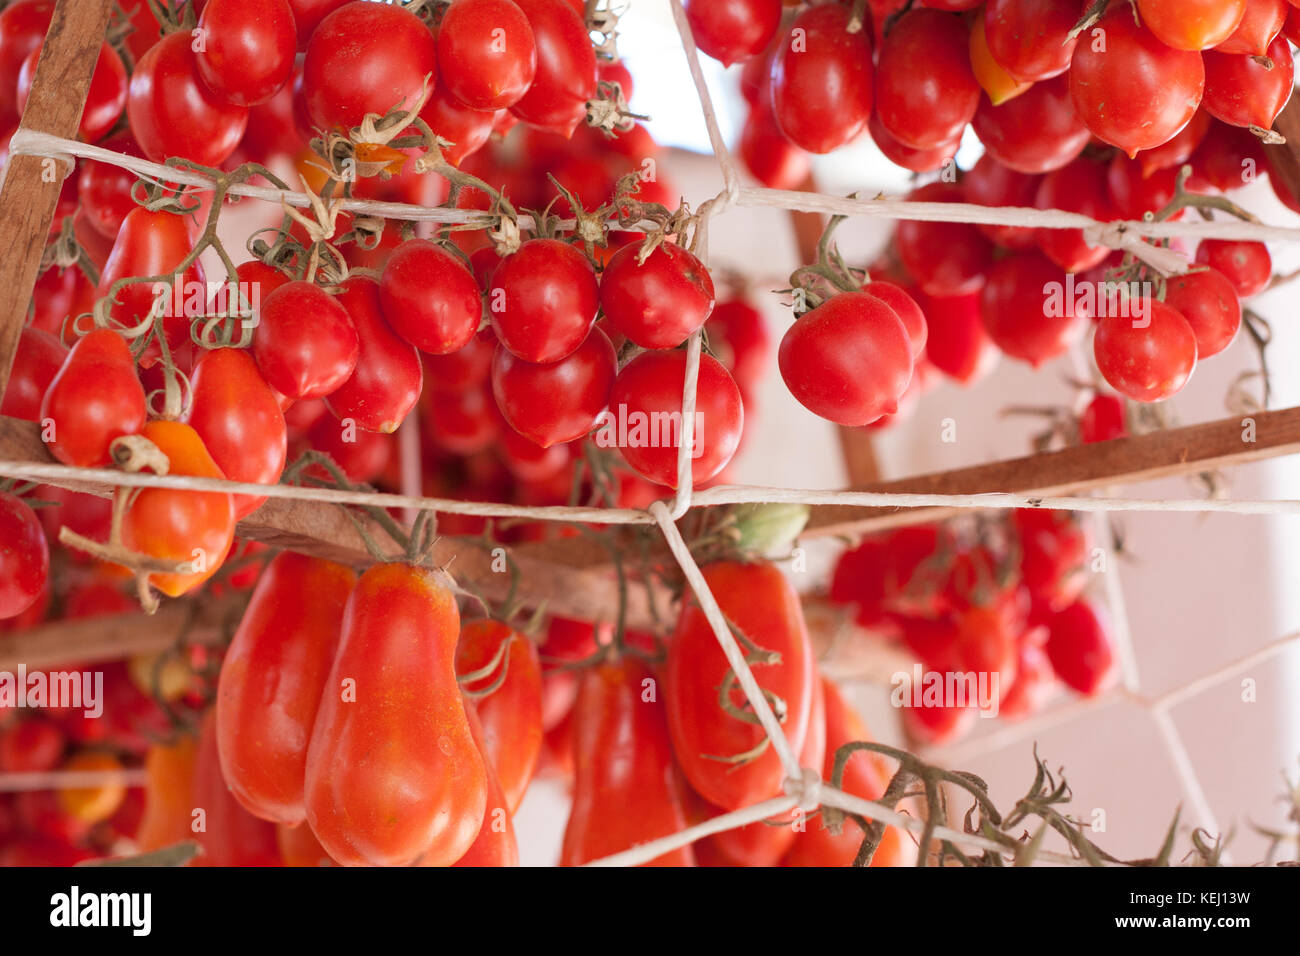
(231, 836)
(1103, 419)
(486, 53)
(625, 787)
(1147, 364)
(759, 601)
(510, 716)
(543, 299)
(660, 302)
(566, 67)
(272, 679)
(1240, 91)
(822, 80)
(1208, 301)
(238, 417)
(495, 844)
(958, 344)
(1014, 307)
(1262, 20)
(559, 402)
(993, 78)
(991, 183)
(430, 298)
(1028, 38)
(1053, 556)
(733, 30)
(24, 556)
(848, 360)
(1192, 24)
(173, 113)
(22, 29)
(104, 101)
(37, 360)
(94, 398)
(248, 50)
(393, 775)
(926, 92)
(1081, 650)
(946, 258)
(364, 58)
(1080, 187)
(1247, 265)
(1036, 132)
(388, 378)
(305, 343)
(917, 160)
(466, 129)
(307, 15)
(177, 525)
(105, 191)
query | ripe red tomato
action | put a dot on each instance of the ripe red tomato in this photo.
(848, 360)
(305, 343)
(238, 418)
(566, 67)
(1131, 90)
(1081, 649)
(1134, 192)
(821, 80)
(31, 745)
(926, 92)
(645, 417)
(1261, 22)
(559, 402)
(37, 360)
(307, 15)
(739, 339)
(105, 99)
(1080, 187)
(1103, 419)
(59, 294)
(1209, 303)
(1034, 679)
(495, 844)
(366, 58)
(1036, 132)
(486, 54)
(1017, 308)
(1029, 38)
(945, 258)
(22, 29)
(543, 299)
(173, 113)
(24, 556)
(362, 455)
(1247, 265)
(917, 160)
(763, 606)
(388, 377)
(298, 846)
(466, 129)
(1178, 150)
(771, 158)
(393, 775)
(958, 344)
(95, 398)
(193, 526)
(248, 48)
(272, 679)
(990, 183)
(1243, 92)
(105, 190)
(429, 297)
(511, 715)
(457, 371)
(463, 423)
(733, 30)
(1053, 556)
(625, 787)
(1192, 24)
(660, 302)
(231, 836)
(1150, 363)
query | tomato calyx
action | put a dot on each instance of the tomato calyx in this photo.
(812, 285)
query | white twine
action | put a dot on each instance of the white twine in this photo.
(70, 780)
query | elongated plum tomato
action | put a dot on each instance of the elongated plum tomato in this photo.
(186, 526)
(821, 80)
(759, 601)
(1192, 24)
(771, 158)
(429, 297)
(1209, 303)
(272, 679)
(104, 191)
(1030, 38)
(566, 67)
(644, 419)
(511, 715)
(366, 58)
(1148, 363)
(543, 299)
(232, 836)
(37, 360)
(1036, 132)
(238, 417)
(1247, 265)
(625, 787)
(559, 402)
(173, 113)
(1081, 650)
(24, 556)
(958, 344)
(848, 360)
(1131, 90)
(732, 30)
(393, 775)
(926, 92)
(247, 54)
(1240, 91)
(486, 54)
(105, 100)
(1026, 310)
(495, 844)
(946, 258)
(95, 398)
(305, 343)
(388, 377)
(660, 302)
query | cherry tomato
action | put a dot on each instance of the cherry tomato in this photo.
(1134, 193)
(1053, 556)
(1080, 187)
(1030, 38)
(495, 844)
(1223, 158)
(1034, 679)
(559, 402)
(733, 30)
(542, 300)
(231, 836)
(657, 303)
(990, 183)
(1192, 24)
(486, 54)
(24, 556)
(1146, 362)
(1243, 92)
(1081, 649)
(1247, 265)
(298, 846)
(763, 606)
(992, 77)
(1209, 303)
(22, 29)
(946, 258)
(91, 805)
(58, 295)
(1261, 22)
(1103, 419)
(429, 297)
(248, 48)
(388, 377)
(463, 423)
(31, 745)
(362, 455)
(169, 794)
(926, 92)
(457, 371)
(393, 775)
(466, 129)
(104, 101)
(1036, 132)
(305, 342)
(307, 15)
(94, 398)
(958, 344)
(771, 158)
(739, 339)
(1015, 308)
(1178, 150)
(37, 361)
(917, 160)
(566, 67)
(105, 190)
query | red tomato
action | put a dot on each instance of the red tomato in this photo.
(463, 424)
(22, 29)
(486, 54)
(926, 92)
(1016, 306)
(625, 789)
(307, 15)
(739, 339)
(1192, 24)
(105, 99)
(848, 360)
(660, 302)
(1029, 38)
(231, 836)
(388, 377)
(247, 55)
(1209, 303)
(1247, 265)
(1103, 420)
(990, 183)
(237, 416)
(542, 300)
(105, 190)
(1262, 21)
(305, 343)
(172, 112)
(366, 58)
(732, 30)
(31, 745)
(1079, 187)
(549, 404)
(393, 775)
(917, 160)
(1178, 150)
(1053, 556)
(1081, 650)
(821, 80)
(566, 67)
(37, 359)
(992, 77)
(299, 847)
(457, 371)
(644, 420)
(466, 129)
(511, 715)
(58, 295)
(1148, 363)
(362, 455)
(946, 258)
(1133, 192)
(94, 398)
(958, 344)
(1034, 679)
(272, 679)
(1036, 132)
(771, 158)
(495, 844)
(1243, 92)
(763, 606)
(1223, 156)
(429, 297)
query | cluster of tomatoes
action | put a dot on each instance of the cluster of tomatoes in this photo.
(1005, 600)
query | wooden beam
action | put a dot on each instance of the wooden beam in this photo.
(32, 183)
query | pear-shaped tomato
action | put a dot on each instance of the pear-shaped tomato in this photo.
(495, 844)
